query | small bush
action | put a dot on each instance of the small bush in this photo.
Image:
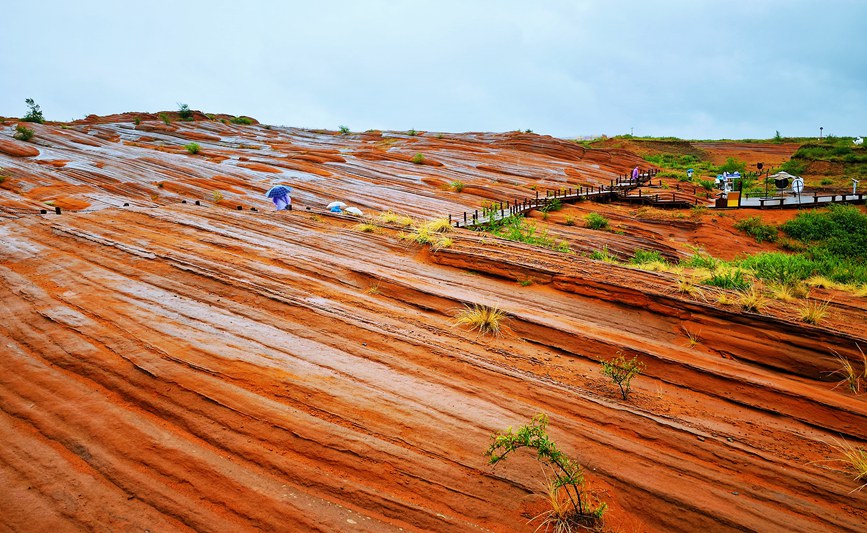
(568, 477)
(569, 220)
(596, 221)
(23, 133)
(418, 159)
(217, 196)
(457, 186)
(553, 204)
(34, 114)
(412, 132)
(603, 255)
(344, 130)
(621, 372)
(757, 229)
(826, 181)
(165, 118)
(708, 185)
(733, 165)
(184, 112)
(244, 121)
(642, 257)
(481, 317)
(192, 148)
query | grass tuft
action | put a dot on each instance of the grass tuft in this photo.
(814, 311)
(481, 317)
(390, 217)
(366, 227)
(752, 299)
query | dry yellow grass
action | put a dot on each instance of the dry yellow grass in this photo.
(814, 311)
(481, 317)
(752, 299)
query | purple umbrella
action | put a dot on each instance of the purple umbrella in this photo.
(280, 196)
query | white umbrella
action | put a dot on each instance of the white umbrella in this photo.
(341, 205)
(354, 211)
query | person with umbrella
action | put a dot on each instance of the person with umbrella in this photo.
(280, 195)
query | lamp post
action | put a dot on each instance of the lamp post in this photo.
(820, 132)
(759, 166)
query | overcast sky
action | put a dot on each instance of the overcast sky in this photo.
(690, 68)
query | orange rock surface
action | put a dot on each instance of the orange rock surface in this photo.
(14, 148)
(172, 366)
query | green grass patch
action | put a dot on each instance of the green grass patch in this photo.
(643, 257)
(757, 229)
(596, 221)
(733, 279)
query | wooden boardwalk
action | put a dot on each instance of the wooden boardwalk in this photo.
(621, 189)
(803, 200)
(617, 189)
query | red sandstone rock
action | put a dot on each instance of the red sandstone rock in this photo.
(14, 148)
(190, 367)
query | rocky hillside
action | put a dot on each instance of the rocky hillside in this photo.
(174, 360)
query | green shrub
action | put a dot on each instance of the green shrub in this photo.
(184, 112)
(708, 185)
(344, 130)
(733, 165)
(826, 181)
(578, 511)
(643, 257)
(34, 114)
(23, 133)
(457, 186)
(244, 121)
(794, 167)
(553, 204)
(840, 231)
(412, 132)
(603, 255)
(596, 221)
(165, 118)
(621, 372)
(137, 121)
(192, 148)
(418, 159)
(757, 229)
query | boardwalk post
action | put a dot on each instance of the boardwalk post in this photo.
(57, 210)
(476, 215)
(465, 218)
(450, 219)
(537, 197)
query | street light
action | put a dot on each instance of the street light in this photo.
(820, 132)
